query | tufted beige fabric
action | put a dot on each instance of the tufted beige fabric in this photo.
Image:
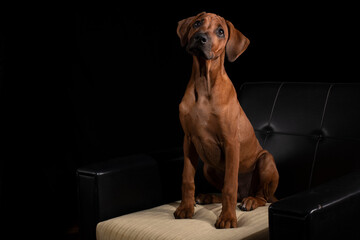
(159, 224)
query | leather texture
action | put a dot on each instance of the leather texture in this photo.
(311, 130)
(328, 211)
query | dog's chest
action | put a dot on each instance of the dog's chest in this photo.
(198, 117)
(200, 122)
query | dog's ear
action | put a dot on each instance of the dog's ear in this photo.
(183, 30)
(237, 43)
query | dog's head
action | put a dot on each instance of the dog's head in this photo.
(208, 35)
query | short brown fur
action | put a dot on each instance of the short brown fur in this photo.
(216, 127)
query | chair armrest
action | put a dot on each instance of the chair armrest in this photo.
(115, 187)
(328, 211)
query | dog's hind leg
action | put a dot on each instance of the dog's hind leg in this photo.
(264, 184)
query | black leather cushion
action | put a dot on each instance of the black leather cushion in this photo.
(341, 118)
(335, 157)
(298, 108)
(294, 158)
(310, 128)
(337, 150)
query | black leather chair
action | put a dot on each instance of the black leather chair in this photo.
(310, 128)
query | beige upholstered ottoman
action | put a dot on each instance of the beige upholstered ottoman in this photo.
(159, 223)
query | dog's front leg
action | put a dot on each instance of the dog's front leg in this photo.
(186, 207)
(227, 218)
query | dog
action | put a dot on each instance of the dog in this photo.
(216, 129)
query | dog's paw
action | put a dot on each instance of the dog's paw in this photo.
(184, 211)
(226, 220)
(251, 203)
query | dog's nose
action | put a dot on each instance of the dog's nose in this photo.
(201, 37)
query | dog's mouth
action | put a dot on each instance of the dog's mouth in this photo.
(201, 52)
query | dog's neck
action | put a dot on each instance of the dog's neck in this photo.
(205, 73)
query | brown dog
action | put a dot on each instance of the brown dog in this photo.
(216, 128)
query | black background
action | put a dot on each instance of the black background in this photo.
(82, 84)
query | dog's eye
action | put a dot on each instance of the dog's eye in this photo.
(197, 24)
(220, 32)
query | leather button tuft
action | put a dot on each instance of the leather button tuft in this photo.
(268, 130)
(318, 135)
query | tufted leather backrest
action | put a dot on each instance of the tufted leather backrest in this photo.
(312, 129)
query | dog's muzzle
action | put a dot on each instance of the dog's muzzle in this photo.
(200, 45)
